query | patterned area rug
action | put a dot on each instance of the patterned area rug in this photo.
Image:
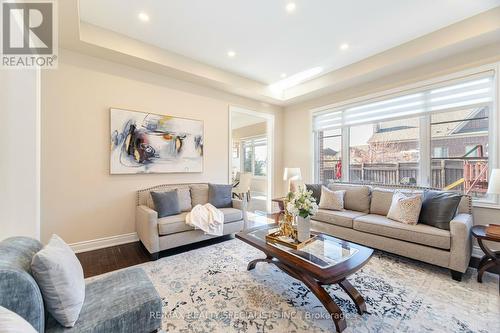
(210, 290)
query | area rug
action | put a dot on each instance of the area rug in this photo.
(210, 290)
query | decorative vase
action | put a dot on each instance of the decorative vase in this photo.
(303, 228)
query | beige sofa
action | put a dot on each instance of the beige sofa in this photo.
(158, 234)
(364, 221)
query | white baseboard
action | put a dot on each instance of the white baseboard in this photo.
(100, 243)
(477, 252)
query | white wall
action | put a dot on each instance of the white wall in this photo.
(19, 159)
(81, 201)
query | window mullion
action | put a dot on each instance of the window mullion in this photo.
(345, 154)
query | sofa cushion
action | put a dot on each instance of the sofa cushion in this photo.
(439, 208)
(219, 195)
(341, 218)
(381, 201)
(11, 322)
(59, 275)
(166, 203)
(405, 208)
(232, 214)
(199, 194)
(184, 195)
(332, 200)
(316, 191)
(123, 301)
(357, 197)
(419, 233)
(173, 224)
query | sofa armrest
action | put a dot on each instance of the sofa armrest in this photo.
(146, 224)
(461, 243)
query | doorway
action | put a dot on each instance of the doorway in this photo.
(251, 150)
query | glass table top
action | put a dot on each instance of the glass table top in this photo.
(324, 251)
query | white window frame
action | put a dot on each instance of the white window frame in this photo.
(253, 145)
(425, 128)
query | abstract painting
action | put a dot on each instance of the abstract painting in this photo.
(151, 143)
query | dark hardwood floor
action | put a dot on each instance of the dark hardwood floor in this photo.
(121, 256)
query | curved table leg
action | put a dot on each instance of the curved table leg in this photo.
(356, 297)
(327, 301)
(483, 269)
(251, 264)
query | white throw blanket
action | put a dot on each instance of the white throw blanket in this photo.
(207, 218)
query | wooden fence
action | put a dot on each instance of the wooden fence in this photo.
(443, 173)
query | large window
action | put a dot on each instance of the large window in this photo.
(255, 156)
(438, 136)
(459, 142)
(330, 155)
(385, 152)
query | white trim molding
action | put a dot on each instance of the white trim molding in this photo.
(101, 243)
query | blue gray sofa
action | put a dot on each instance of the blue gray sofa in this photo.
(124, 301)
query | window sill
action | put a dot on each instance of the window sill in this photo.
(486, 204)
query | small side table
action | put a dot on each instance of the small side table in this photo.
(491, 258)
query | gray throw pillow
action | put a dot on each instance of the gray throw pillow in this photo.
(11, 322)
(220, 195)
(166, 203)
(439, 208)
(316, 191)
(59, 275)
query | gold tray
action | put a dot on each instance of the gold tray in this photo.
(296, 245)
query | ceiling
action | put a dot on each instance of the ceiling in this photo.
(267, 39)
(239, 120)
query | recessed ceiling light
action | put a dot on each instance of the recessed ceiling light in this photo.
(290, 7)
(283, 75)
(344, 46)
(231, 54)
(143, 17)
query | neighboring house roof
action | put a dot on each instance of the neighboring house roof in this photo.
(394, 131)
(329, 152)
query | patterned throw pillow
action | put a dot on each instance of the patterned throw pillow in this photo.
(405, 208)
(332, 200)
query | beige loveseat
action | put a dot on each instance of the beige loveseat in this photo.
(158, 234)
(364, 221)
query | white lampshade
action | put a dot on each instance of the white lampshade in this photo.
(494, 183)
(292, 173)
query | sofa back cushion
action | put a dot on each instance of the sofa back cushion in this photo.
(199, 194)
(316, 191)
(381, 201)
(357, 197)
(219, 195)
(166, 203)
(439, 208)
(184, 195)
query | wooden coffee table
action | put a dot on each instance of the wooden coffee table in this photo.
(326, 260)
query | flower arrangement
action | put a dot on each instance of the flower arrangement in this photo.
(301, 203)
